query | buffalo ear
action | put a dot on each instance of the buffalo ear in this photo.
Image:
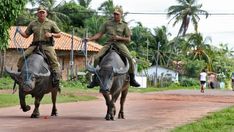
(13, 74)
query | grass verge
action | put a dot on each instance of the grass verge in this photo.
(221, 121)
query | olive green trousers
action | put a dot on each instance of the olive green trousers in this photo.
(50, 53)
(123, 51)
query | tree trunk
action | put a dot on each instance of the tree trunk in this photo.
(2, 62)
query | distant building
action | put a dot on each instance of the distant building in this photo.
(162, 72)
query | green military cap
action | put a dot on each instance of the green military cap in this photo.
(41, 8)
(118, 10)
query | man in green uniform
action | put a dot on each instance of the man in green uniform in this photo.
(118, 33)
(43, 30)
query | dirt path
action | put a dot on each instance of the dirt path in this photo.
(151, 112)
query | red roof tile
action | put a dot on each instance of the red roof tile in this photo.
(62, 43)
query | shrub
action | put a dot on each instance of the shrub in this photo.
(188, 82)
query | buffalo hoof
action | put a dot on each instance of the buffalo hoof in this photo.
(109, 117)
(121, 115)
(54, 113)
(26, 108)
(35, 115)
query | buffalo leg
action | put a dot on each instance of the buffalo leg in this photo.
(122, 101)
(36, 112)
(23, 105)
(107, 99)
(112, 105)
(54, 98)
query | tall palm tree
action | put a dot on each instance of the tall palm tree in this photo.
(186, 11)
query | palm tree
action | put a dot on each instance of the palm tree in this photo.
(165, 47)
(107, 7)
(199, 48)
(52, 9)
(186, 11)
(84, 3)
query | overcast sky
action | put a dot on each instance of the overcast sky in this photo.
(219, 27)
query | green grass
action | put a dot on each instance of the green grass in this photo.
(13, 99)
(6, 83)
(71, 92)
(222, 121)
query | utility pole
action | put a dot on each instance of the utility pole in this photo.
(156, 72)
(72, 57)
(86, 48)
(147, 52)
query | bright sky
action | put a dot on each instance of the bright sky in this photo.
(220, 28)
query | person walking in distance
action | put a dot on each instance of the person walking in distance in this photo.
(203, 76)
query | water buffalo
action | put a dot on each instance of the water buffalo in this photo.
(35, 79)
(113, 75)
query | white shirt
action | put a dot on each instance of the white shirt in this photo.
(203, 76)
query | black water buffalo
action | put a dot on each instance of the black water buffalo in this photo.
(113, 75)
(35, 79)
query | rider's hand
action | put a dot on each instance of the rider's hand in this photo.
(18, 29)
(48, 35)
(85, 40)
(115, 38)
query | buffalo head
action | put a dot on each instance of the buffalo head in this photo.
(26, 79)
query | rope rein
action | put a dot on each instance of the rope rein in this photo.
(21, 50)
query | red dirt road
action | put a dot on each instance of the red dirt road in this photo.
(150, 112)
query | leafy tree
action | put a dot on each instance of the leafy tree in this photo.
(222, 60)
(10, 9)
(141, 38)
(165, 48)
(186, 11)
(77, 14)
(192, 68)
(92, 25)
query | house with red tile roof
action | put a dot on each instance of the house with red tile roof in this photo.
(62, 47)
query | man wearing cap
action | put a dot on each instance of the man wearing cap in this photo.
(43, 30)
(118, 33)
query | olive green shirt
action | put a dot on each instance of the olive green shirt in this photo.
(111, 28)
(39, 29)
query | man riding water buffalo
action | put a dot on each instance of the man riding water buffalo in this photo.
(118, 34)
(43, 30)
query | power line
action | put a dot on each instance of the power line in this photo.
(165, 13)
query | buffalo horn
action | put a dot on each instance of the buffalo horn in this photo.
(122, 70)
(92, 69)
(47, 74)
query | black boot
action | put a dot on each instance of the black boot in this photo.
(133, 82)
(94, 82)
(55, 79)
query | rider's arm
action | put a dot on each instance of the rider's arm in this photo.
(23, 34)
(95, 37)
(122, 38)
(55, 35)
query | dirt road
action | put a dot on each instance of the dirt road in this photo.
(150, 112)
